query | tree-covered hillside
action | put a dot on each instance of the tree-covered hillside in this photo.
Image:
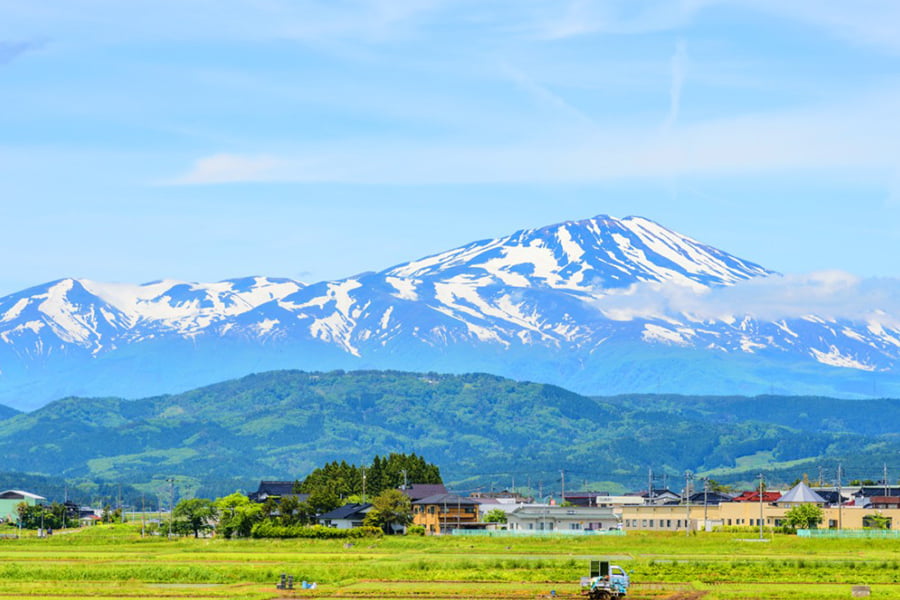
(7, 412)
(481, 430)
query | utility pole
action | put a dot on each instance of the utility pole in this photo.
(705, 503)
(884, 479)
(761, 482)
(171, 481)
(821, 480)
(404, 479)
(687, 501)
(364, 484)
(562, 496)
(143, 516)
(840, 498)
(650, 485)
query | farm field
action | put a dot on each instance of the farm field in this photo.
(115, 562)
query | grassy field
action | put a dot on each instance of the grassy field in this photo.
(115, 562)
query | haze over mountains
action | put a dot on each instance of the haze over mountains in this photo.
(599, 306)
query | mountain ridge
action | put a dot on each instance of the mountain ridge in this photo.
(564, 304)
(478, 428)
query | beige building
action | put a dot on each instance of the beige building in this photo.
(743, 514)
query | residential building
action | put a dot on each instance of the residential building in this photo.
(418, 491)
(442, 513)
(346, 517)
(10, 500)
(537, 517)
(275, 489)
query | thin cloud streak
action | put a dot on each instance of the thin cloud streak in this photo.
(862, 133)
(830, 295)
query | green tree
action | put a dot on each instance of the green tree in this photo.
(389, 508)
(877, 521)
(495, 515)
(323, 499)
(194, 515)
(237, 515)
(804, 516)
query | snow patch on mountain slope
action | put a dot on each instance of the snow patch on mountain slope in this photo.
(406, 288)
(835, 358)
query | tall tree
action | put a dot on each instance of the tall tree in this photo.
(389, 508)
(804, 516)
(237, 514)
(194, 514)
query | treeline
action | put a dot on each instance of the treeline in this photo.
(327, 488)
(344, 480)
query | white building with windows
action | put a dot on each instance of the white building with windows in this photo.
(543, 517)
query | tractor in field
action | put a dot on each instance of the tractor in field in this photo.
(605, 582)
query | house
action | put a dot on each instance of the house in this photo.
(276, 490)
(418, 491)
(441, 513)
(346, 517)
(710, 498)
(538, 517)
(753, 496)
(585, 498)
(659, 496)
(800, 494)
(10, 500)
(505, 495)
(879, 502)
(878, 490)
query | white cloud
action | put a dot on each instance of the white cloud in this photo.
(825, 294)
(860, 133)
(679, 65)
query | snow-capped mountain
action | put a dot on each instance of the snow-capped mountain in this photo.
(564, 304)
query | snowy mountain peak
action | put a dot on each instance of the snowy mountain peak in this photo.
(598, 253)
(561, 304)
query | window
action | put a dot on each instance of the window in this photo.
(651, 522)
(643, 522)
(669, 523)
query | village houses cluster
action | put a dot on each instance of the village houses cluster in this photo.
(440, 511)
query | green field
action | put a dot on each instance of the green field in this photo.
(115, 562)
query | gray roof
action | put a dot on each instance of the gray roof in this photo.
(447, 499)
(348, 511)
(801, 494)
(417, 491)
(558, 512)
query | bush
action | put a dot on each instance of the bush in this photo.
(267, 529)
(415, 530)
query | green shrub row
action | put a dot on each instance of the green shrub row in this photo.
(267, 529)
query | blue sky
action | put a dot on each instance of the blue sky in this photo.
(209, 139)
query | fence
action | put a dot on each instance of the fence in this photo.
(849, 533)
(535, 532)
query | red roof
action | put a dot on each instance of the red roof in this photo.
(885, 500)
(753, 496)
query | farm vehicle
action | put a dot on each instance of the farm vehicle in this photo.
(605, 582)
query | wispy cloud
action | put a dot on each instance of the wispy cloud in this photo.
(860, 133)
(679, 66)
(826, 294)
(9, 51)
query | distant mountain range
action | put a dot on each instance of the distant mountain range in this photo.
(483, 431)
(564, 304)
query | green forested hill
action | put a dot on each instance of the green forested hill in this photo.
(7, 412)
(481, 431)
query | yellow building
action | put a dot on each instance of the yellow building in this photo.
(442, 513)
